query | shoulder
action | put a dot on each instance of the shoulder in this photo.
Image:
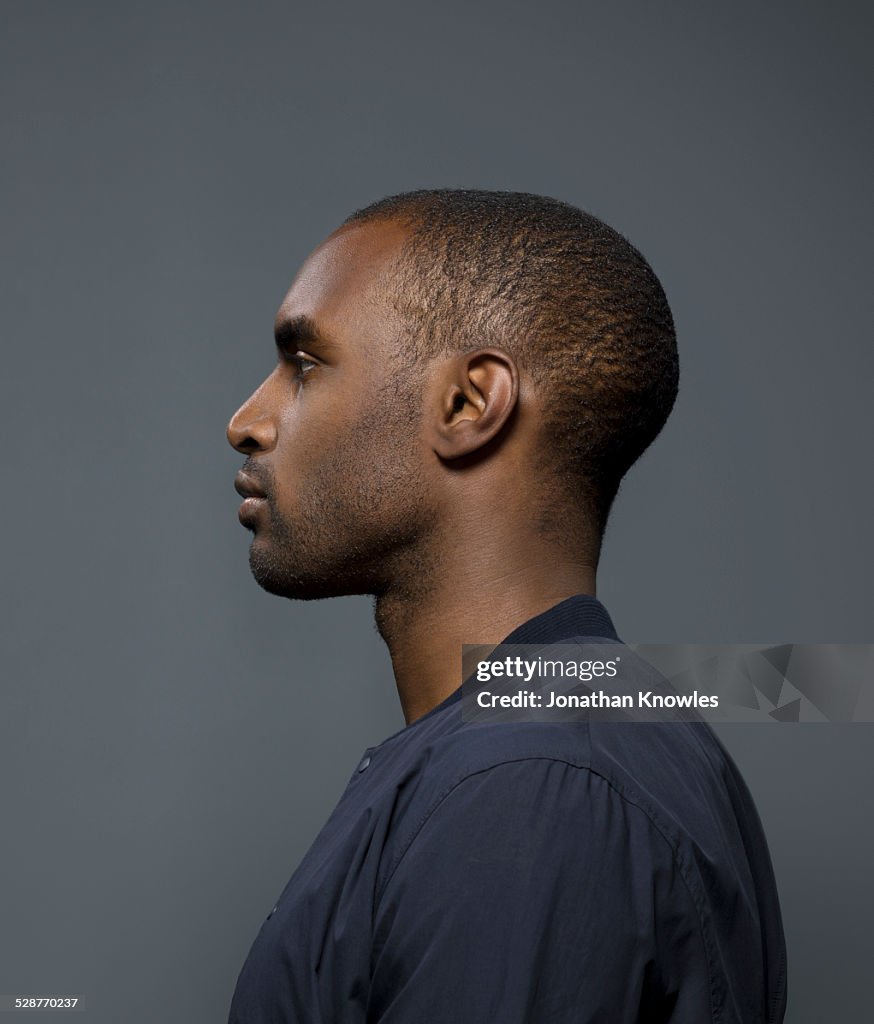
(528, 864)
(482, 784)
(672, 782)
(675, 771)
(646, 824)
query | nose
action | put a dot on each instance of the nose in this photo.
(252, 427)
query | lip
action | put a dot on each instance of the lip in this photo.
(252, 495)
(246, 487)
(248, 511)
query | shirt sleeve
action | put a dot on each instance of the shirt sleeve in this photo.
(532, 893)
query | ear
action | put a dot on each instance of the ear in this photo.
(474, 395)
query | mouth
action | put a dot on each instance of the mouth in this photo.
(252, 495)
(246, 487)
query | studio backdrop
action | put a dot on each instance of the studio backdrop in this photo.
(167, 167)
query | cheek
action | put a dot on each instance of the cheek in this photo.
(313, 451)
(342, 447)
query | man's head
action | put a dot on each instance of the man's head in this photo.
(468, 348)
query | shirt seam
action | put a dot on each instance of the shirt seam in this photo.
(663, 831)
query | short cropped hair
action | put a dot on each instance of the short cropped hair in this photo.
(567, 296)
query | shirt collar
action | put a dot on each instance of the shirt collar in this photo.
(580, 615)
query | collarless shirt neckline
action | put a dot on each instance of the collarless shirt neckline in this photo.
(578, 615)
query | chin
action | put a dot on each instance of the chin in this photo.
(296, 582)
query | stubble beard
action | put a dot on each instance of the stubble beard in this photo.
(361, 526)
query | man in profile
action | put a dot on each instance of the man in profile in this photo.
(463, 379)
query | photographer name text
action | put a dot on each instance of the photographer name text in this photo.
(595, 699)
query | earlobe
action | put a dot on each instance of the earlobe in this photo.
(476, 395)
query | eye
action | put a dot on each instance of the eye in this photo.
(301, 363)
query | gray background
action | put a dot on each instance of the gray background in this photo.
(172, 737)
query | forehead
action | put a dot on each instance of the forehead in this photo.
(342, 285)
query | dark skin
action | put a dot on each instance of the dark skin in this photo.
(417, 486)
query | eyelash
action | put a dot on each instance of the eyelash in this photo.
(298, 361)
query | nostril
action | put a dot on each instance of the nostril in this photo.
(252, 436)
(246, 444)
(240, 440)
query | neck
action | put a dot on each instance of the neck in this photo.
(425, 620)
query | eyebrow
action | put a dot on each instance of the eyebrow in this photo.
(296, 331)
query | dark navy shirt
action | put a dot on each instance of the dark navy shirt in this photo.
(529, 873)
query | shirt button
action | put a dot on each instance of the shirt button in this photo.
(365, 761)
